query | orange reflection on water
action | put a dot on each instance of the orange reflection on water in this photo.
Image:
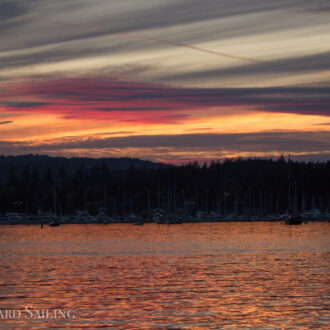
(189, 276)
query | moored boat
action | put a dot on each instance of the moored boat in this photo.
(293, 219)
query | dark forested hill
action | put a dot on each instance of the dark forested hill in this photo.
(43, 163)
(253, 186)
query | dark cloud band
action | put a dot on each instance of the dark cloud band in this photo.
(263, 142)
(6, 122)
(99, 97)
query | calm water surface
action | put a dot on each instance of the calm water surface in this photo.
(208, 275)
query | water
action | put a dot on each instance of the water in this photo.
(207, 275)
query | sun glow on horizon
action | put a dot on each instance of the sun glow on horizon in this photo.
(156, 80)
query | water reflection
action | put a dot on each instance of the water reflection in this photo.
(191, 275)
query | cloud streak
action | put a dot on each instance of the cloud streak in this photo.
(316, 63)
(161, 69)
(105, 98)
(6, 122)
(182, 146)
(127, 16)
(157, 40)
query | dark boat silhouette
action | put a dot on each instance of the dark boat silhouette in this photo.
(54, 223)
(138, 223)
(293, 219)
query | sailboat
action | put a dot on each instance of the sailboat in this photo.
(54, 222)
(293, 217)
(102, 216)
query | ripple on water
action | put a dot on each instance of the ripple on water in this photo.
(192, 275)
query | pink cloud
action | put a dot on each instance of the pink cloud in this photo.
(95, 98)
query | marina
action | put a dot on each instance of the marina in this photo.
(158, 217)
(164, 164)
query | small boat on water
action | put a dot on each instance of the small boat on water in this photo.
(102, 216)
(83, 217)
(293, 219)
(158, 216)
(54, 223)
(133, 218)
(13, 218)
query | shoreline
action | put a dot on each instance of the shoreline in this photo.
(40, 223)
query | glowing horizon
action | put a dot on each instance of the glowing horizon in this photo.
(161, 82)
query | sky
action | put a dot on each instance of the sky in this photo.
(165, 80)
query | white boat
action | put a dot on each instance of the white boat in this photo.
(14, 218)
(83, 217)
(102, 216)
(313, 214)
(133, 218)
(158, 216)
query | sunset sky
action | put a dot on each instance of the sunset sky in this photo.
(165, 80)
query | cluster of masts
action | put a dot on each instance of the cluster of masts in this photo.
(173, 215)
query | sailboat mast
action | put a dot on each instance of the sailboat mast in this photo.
(54, 202)
(290, 188)
(105, 197)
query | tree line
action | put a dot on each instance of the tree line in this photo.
(239, 186)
